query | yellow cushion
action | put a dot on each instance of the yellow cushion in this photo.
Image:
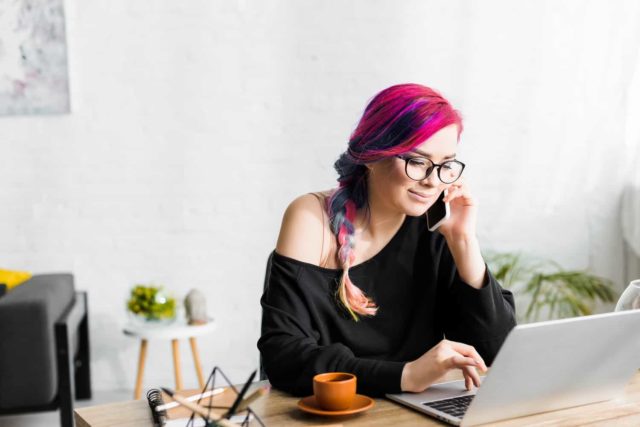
(13, 278)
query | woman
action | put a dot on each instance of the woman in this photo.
(359, 284)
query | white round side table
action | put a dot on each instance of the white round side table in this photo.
(173, 332)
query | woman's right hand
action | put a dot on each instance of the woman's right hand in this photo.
(444, 356)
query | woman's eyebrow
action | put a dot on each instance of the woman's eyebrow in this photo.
(422, 153)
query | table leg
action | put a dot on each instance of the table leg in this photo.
(176, 364)
(143, 354)
(196, 361)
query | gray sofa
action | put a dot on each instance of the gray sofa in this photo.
(44, 347)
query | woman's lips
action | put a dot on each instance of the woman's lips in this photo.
(423, 197)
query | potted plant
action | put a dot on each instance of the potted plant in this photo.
(547, 288)
(149, 303)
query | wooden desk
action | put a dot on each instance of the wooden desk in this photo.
(279, 409)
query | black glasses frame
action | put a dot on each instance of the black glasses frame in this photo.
(430, 169)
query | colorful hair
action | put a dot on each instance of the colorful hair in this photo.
(396, 120)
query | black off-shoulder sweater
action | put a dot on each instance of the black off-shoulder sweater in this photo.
(421, 300)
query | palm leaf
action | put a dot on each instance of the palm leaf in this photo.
(562, 293)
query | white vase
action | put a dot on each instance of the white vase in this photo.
(630, 298)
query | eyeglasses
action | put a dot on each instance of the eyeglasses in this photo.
(419, 168)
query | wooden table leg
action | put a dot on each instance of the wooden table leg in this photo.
(143, 354)
(176, 364)
(196, 361)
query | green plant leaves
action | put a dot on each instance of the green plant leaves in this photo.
(553, 292)
(149, 301)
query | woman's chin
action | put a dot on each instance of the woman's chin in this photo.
(416, 209)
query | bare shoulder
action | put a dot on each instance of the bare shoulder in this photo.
(304, 233)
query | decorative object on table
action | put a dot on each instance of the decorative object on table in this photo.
(215, 406)
(551, 290)
(195, 305)
(630, 298)
(33, 55)
(149, 303)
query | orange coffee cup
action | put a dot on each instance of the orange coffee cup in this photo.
(334, 391)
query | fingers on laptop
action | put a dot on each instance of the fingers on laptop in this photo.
(471, 352)
(460, 361)
(468, 381)
(471, 377)
(468, 367)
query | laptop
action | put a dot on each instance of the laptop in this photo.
(542, 367)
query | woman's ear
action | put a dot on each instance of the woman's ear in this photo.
(369, 170)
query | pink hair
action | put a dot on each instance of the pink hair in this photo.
(395, 121)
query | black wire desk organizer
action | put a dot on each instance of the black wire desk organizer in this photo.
(204, 408)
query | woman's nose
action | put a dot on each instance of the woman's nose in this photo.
(432, 180)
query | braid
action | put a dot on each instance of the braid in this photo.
(343, 206)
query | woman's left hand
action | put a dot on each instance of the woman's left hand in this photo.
(460, 232)
(462, 222)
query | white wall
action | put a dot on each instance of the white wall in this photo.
(195, 123)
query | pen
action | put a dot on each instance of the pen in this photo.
(257, 394)
(234, 407)
(205, 413)
(191, 398)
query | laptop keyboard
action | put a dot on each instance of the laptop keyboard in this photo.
(456, 406)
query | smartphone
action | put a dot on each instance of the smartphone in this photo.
(438, 212)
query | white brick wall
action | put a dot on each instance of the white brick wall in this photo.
(194, 124)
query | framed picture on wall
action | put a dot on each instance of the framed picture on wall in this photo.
(33, 58)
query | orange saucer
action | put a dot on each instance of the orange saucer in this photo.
(360, 403)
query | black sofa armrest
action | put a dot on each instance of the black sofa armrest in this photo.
(28, 368)
(72, 356)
